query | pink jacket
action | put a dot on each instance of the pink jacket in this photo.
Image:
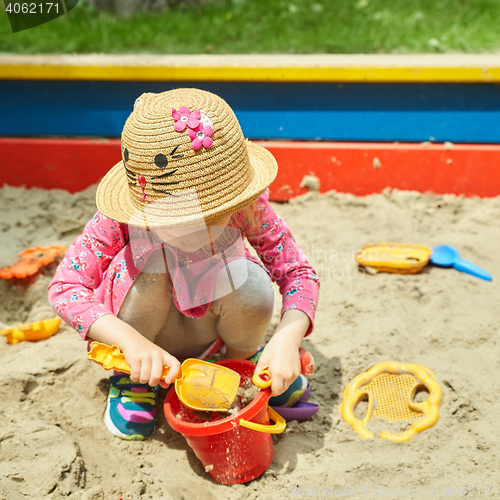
(98, 270)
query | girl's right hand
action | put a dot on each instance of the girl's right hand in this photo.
(146, 361)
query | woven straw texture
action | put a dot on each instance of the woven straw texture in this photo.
(164, 182)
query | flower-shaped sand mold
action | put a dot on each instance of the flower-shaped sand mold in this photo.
(31, 260)
(391, 387)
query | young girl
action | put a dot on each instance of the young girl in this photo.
(161, 270)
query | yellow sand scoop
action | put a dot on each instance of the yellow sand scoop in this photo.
(37, 330)
(391, 387)
(394, 257)
(200, 385)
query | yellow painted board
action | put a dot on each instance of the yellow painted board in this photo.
(251, 74)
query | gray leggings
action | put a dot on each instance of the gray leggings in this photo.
(240, 318)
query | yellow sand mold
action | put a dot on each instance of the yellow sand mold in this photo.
(394, 257)
(37, 330)
(390, 388)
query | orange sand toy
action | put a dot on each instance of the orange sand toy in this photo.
(394, 257)
(391, 387)
(200, 385)
(31, 260)
(32, 331)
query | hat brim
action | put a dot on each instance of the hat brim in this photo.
(113, 197)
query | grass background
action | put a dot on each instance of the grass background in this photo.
(273, 26)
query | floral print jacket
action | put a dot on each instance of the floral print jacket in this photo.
(99, 268)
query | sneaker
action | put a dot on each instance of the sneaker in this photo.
(255, 358)
(294, 392)
(131, 408)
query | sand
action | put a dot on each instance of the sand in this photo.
(54, 445)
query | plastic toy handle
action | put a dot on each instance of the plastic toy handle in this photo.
(278, 427)
(468, 267)
(110, 357)
(122, 366)
(263, 379)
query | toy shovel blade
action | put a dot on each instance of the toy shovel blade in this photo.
(207, 387)
(200, 385)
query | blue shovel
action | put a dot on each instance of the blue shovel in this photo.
(447, 256)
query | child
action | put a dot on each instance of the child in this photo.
(161, 270)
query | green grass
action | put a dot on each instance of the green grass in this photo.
(274, 26)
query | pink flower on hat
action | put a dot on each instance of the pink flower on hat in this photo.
(201, 136)
(184, 118)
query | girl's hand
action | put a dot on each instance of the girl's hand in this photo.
(281, 357)
(147, 360)
(281, 354)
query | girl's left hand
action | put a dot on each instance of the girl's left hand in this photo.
(281, 354)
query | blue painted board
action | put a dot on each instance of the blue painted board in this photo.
(315, 111)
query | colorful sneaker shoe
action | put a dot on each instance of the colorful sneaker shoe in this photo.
(255, 358)
(292, 394)
(131, 408)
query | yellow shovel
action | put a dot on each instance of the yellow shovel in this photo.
(200, 385)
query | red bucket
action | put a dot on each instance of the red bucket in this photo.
(235, 449)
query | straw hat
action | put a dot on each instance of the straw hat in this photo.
(185, 162)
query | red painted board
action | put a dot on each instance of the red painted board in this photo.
(75, 164)
(71, 164)
(365, 168)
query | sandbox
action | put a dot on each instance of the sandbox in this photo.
(53, 440)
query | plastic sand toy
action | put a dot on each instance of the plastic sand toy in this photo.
(299, 409)
(394, 257)
(390, 389)
(31, 260)
(233, 448)
(447, 256)
(32, 331)
(263, 379)
(200, 385)
(306, 362)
